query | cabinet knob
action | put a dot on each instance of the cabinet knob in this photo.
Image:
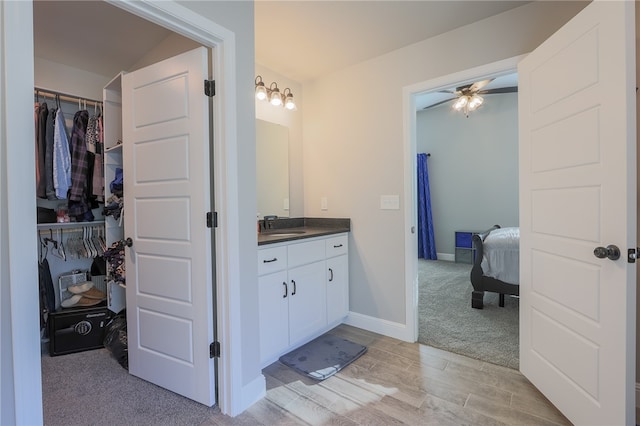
(331, 276)
(293, 293)
(286, 289)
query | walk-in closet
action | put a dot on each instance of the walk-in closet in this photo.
(96, 232)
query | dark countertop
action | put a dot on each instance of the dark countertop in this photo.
(285, 229)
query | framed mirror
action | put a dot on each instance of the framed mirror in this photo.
(272, 169)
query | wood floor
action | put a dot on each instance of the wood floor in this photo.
(400, 383)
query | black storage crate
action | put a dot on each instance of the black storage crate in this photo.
(76, 330)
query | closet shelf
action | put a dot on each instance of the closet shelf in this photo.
(117, 147)
(68, 225)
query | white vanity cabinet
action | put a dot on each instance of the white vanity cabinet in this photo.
(337, 279)
(294, 292)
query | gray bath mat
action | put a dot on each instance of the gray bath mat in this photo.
(323, 357)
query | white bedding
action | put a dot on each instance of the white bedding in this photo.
(501, 255)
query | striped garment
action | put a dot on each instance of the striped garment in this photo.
(78, 200)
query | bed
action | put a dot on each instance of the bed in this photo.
(496, 264)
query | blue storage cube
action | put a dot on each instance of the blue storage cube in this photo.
(464, 239)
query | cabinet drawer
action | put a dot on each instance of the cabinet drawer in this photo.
(337, 246)
(303, 253)
(272, 260)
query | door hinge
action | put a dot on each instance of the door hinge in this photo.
(633, 254)
(214, 350)
(212, 219)
(210, 88)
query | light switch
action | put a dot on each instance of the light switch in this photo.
(389, 202)
(323, 203)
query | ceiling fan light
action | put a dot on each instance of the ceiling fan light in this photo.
(475, 102)
(460, 103)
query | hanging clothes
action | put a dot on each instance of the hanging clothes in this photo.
(61, 157)
(42, 111)
(45, 285)
(79, 207)
(48, 155)
(94, 145)
(92, 134)
(98, 178)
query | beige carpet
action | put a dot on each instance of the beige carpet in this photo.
(447, 320)
(91, 388)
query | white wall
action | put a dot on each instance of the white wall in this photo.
(174, 44)
(353, 146)
(293, 121)
(20, 383)
(65, 79)
(473, 168)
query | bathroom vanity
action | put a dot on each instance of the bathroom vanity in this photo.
(303, 281)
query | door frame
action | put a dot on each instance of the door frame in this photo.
(26, 372)
(409, 94)
(222, 42)
(233, 396)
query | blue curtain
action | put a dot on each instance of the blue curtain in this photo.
(426, 240)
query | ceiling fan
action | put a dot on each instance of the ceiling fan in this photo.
(467, 98)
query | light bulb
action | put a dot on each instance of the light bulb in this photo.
(475, 102)
(261, 92)
(276, 98)
(289, 103)
(460, 103)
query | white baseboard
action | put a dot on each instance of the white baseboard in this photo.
(380, 326)
(446, 256)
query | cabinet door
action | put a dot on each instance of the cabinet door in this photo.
(337, 289)
(273, 293)
(307, 301)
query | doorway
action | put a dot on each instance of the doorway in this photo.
(183, 291)
(203, 31)
(411, 98)
(473, 180)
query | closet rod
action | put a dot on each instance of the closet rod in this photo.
(65, 96)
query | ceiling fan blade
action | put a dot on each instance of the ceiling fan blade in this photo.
(438, 103)
(498, 90)
(479, 85)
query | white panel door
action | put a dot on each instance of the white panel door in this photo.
(167, 196)
(578, 192)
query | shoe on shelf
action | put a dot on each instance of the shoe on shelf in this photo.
(77, 300)
(94, 293)
(80, 287)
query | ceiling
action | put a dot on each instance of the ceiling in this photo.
(302, 40)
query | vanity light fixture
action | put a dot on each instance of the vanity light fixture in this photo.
(273, 95)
